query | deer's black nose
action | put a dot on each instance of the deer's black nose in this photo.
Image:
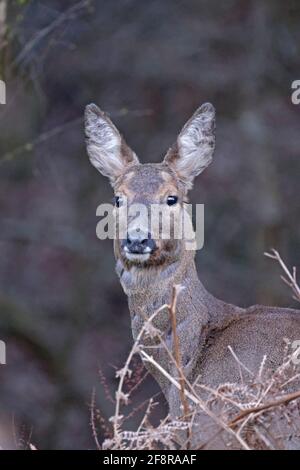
(137, 243)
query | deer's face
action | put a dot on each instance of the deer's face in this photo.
(150, 198)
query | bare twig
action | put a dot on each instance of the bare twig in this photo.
(126, 370)
(239, 362)
(93, 420)
(285, 399)
(177, 354)
(43, 33)
(291, 278)
(49, 134)
(176, 350)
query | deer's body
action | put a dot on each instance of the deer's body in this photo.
(206, 326)
(148, 268)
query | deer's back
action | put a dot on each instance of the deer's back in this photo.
(259, 331)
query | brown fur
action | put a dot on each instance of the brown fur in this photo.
(206, 326)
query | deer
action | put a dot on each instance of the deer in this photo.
(149, 266)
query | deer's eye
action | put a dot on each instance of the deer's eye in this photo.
(118, 201)
(171, 200)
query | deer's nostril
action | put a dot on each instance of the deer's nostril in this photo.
(151, 244)
(139, 246)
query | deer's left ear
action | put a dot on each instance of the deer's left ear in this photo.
(195, 145)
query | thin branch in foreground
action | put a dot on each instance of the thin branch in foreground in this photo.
(291, 277)
(120, 396)
(93, 419)
(285, 399)
(177, 354)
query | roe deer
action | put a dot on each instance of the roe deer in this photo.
(148, 268)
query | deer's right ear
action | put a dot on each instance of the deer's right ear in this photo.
(106, 148)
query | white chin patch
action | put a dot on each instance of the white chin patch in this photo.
(138, 258)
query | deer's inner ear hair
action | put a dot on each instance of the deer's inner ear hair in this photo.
(172, 200)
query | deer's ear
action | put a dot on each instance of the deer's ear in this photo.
(106, 148)
(195, 145)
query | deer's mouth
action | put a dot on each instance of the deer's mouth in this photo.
(138, 250)
(137, 257)
(138, 254)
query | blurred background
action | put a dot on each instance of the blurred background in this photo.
(63, 314)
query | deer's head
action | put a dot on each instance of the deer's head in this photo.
(163, 185)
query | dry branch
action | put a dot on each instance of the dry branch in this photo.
(291, 277)
(177, 354)
(285, 399)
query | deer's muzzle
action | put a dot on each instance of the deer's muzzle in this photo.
(138, 243)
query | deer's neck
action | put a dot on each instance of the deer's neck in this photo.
(198, 313)
(156, 281)
(148, 290)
